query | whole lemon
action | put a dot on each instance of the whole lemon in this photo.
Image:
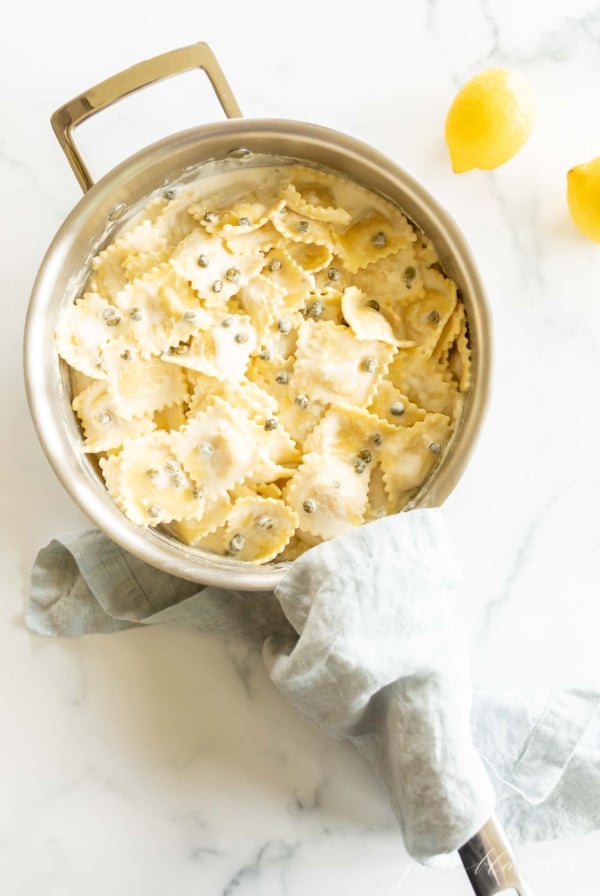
(583, 197)
(489, 120)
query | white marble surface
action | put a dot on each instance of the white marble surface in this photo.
(160, 762)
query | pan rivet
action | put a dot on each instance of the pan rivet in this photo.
(116, 211)
(240, 152)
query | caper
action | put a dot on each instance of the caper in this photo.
(236, 544)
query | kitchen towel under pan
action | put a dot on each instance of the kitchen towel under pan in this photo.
(361, 638)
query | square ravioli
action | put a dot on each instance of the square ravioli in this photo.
(264, 358)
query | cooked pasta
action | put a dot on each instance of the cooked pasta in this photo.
(265, 360)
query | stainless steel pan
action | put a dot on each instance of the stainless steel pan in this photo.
(106, 204)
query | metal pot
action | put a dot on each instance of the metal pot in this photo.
(107, 204)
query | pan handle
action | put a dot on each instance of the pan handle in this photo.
(490, 864)
(66, 119)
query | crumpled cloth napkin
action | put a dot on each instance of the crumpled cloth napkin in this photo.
(361, 638)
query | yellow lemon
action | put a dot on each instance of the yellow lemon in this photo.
(489, 120)
(583, 197)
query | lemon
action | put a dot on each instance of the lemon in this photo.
(583, 197)
(489, 120)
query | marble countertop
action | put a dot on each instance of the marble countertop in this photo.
(158, 761)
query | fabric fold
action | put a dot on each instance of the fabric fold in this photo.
(360, 637)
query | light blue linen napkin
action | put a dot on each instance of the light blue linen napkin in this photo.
(361, 638)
